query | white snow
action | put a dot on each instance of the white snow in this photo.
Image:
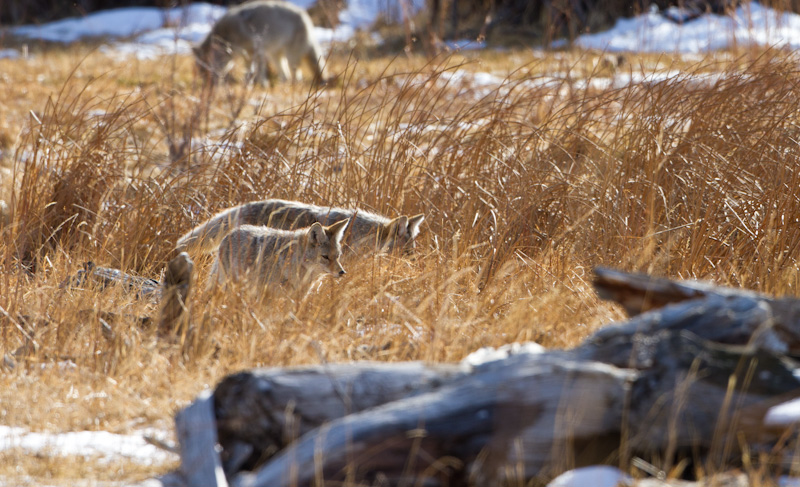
(9, 54)
(148, 32)
(465, 45)
(122, 22)
(750, 24)
(595, 476)
(490, 354)
(480, 80)
(102, 444)
(784, 414)
(362, 14)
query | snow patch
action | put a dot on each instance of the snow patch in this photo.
(107, 446)
(121, 23)
(596, 476)
(490, 354)
(9, 54)
(156, 32)
(362, 14)
(465, 45)
(784, 414)
(750, 24)
(786, 481)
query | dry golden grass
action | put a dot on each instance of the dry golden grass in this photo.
(526, 186)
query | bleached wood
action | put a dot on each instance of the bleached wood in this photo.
(172, 479)
(639, 293)
(477, 413)
(263, 410)
(197, 434)
(736, 320)
(692, 379)
(530, 416)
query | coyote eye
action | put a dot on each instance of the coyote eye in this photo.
(326, 257)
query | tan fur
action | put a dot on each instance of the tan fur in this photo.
(265, 256)
(367, 233)
(264, 32)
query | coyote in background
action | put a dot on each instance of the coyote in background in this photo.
(263, 255)
(264, 32)
(367, 232)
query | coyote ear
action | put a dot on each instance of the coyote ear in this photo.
(336, 231)
(317, 234)
(413, 225)
(398, 226)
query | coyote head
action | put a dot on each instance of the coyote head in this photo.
(213, 58)
(400, 233)
(324, 247)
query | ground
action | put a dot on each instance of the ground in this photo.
(531, 167)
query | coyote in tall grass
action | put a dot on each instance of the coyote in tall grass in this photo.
(367, 233)
(265, 33)
(263, 256)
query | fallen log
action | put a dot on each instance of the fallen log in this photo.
(721, 315)
(544, 414)
(463, 433)
(172, 293)
(639, 293)
(691, 381)
(197, 436)
(104, 277)
(260, 412)
(172, 316)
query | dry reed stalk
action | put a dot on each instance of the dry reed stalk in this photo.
(526, 185)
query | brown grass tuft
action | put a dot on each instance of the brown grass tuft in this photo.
(527, 182)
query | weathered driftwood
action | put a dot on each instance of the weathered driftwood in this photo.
(197, 435)
(173, 291)
(103, 277)
(667, 387)
(717, 314)
(725, 479)
(291, 402)
(467, 432)
(534, 416)
(639, 293)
